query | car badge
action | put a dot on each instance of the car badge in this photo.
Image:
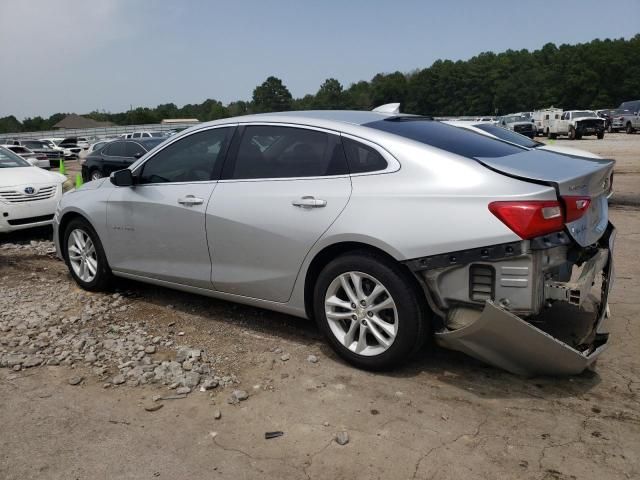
(29, 190)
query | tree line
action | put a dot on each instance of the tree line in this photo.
(598, 74)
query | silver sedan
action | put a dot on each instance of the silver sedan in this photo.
(385, 228)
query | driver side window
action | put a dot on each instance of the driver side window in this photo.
(191, 159)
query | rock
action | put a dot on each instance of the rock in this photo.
(118, 380)
(153, 406)
(284, 357)
(342, 438)
(238, 396)
(209, 384)
(183, 390)
(150, 349)
(191, 379)
(312, 359)
(217, 414)
(75, 380)
(32, 361)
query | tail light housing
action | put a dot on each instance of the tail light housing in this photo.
(534, 218)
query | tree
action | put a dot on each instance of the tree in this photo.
(271, 96)
(330, 95)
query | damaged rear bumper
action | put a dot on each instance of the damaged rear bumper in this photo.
(531, 345)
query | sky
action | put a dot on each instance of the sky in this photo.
(79, 55)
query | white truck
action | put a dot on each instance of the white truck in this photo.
(576, 124)
(543, 118)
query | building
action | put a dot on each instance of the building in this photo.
(77, 121)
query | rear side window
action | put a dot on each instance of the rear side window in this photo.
(446, 137)
(362, 158)
(287, 152)
(131, 148)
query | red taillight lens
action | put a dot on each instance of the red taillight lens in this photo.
(575, 207)
(530, 219)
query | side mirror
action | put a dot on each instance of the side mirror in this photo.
(138, 155)
(122, 178)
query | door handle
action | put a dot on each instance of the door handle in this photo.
(308, 201)
(190, 200)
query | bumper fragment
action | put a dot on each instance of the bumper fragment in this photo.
(504, 340)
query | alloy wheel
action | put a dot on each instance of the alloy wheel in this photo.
(82, 255)
(361, 313)
(96, 175)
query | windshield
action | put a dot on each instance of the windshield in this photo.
(34, 144)
(446, 137)
(18, 149)
(508, 135)
(8, 159)
(583, 113)
(514, 118)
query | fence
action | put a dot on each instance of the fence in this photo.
(90, 133)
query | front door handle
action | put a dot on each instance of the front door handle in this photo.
(190, 200)
(309, 201)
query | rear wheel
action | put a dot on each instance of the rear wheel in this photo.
(629, 128)
(85, 256)
(370, 310)
(553, 136)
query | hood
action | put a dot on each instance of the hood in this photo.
(10, 177)
(578, 119)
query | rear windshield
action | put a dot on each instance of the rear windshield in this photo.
(508, 135)
(447, 137)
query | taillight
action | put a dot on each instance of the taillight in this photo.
(575, 207)
(533, 218)
(530, 219)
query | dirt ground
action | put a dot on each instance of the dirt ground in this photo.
(443, 416)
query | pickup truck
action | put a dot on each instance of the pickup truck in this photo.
(631, 122)
(577, 123)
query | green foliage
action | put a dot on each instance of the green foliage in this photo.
(598, 74)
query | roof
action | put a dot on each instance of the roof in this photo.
(77, 121)
(354, 117)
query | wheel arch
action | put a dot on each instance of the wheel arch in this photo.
(66, 218)
(334, 250)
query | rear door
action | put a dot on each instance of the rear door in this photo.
(282, 187)
(156, 228)
(113, 157)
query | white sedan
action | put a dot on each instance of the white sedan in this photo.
(28, 195)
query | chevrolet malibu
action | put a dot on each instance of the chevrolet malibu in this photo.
(385, 228)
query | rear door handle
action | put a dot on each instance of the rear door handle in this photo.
(309, 201)
(190, 200)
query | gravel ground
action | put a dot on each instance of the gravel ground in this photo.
(146, 382)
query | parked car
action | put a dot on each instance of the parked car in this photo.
(518, 124)
(631, 121)
(617, 120)
(37, 160)
(70, 147)
(28, 195)
(42, 148)
(543, 118)
(145, 135)
(97, 146)
(117, 155)
(576, 124)
(81, 142)
(506, 135)
(631, 105)
(386, 228)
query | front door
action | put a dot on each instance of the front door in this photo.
(282, 188)
(157, 226)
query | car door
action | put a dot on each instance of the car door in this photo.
(281, 189)
(156, 228)
(113, 157)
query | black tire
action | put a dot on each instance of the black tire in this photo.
(413, 325)
(629, 128)
(578, 135)
(600, 135)
(572, 133)
(103, 276)
(95, 174)
(553, 136)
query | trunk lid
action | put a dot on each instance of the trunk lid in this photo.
(570, 176)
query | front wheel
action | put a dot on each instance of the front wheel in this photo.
(629, 129)
(600, 135)
(553, 136)
(84, 256)
(370, 310)
(572, 133)
(95, 175)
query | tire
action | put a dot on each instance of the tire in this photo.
(402, 326)
(629, 128)
(95, 174)
(553, 136)
(600, 135)
(578, 136)
(101, 279)
(572, 133)
(609, 129)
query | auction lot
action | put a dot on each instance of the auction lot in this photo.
(443, 416)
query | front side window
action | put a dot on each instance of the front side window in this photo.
(191, 159)
(287, 152)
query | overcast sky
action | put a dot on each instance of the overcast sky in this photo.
(79, 55)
